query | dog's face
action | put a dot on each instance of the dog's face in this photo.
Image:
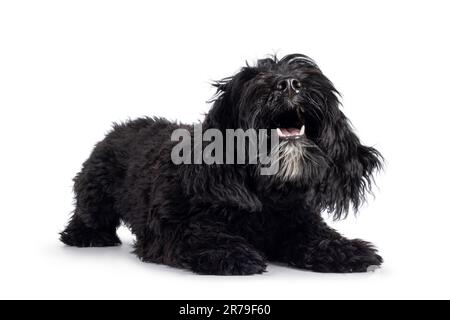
(317, 144)
(289, 95)
(292, 96)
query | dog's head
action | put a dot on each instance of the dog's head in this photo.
(318, 147)
(291, 95)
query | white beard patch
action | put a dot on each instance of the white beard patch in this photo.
(290, 156)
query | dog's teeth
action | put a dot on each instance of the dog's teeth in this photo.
(302, 130)
(280, 133)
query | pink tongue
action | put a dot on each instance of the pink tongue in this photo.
(288, 132)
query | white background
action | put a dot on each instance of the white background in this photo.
(68, 69)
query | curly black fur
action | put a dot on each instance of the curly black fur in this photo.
(228, 219)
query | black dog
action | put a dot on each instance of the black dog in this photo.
(229, 219)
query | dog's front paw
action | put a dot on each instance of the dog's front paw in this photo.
(342, 255)
(232, 261)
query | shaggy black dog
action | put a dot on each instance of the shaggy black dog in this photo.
(229, 219)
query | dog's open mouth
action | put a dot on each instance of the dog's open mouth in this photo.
(291, 133)
(289, 125)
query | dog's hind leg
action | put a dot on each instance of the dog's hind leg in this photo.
(95, 219)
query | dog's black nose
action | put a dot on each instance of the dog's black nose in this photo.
(289, 85)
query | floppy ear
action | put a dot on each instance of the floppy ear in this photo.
(224, 113)
(350, 174)
(219, 186)
(223, 186)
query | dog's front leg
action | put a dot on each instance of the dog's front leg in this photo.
(205, 247)
(310, 243)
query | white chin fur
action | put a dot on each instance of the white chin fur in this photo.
(290, 157)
